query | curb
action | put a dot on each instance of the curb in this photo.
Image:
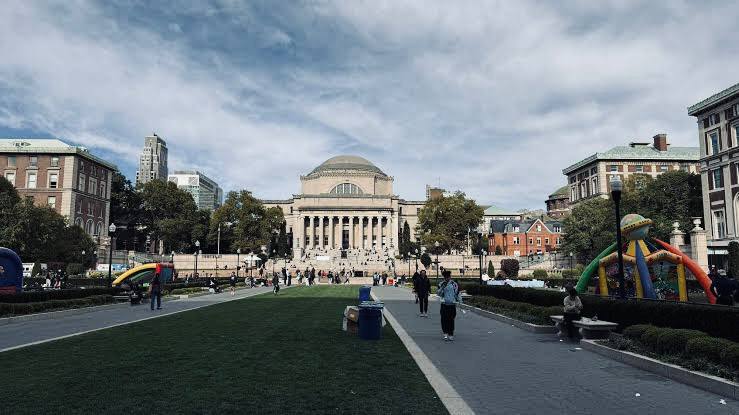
(534, 328)
(699, 380)
(58, 314)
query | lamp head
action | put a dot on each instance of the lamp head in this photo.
(112, 227)
(617, 186)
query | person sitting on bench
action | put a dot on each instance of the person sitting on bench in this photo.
(572, 309)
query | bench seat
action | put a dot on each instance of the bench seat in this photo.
(589, 328)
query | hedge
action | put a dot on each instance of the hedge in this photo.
(37, 296)
(40, 306)
(540, 314)
(686, 344)
(718, 321)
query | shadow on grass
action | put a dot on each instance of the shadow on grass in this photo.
(265, 354)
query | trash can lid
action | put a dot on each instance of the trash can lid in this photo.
(372, 304)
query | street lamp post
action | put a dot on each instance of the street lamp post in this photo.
(409, 263)
(197, 250)
(238, 266)
(616, 189)
(570, 262)
(111, 231)
(436, 245)
(416, 256)
(479, 246)
(274, 254)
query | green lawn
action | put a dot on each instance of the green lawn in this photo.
(266, 354)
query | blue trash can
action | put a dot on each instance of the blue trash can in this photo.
(364, 293)
(370, 321)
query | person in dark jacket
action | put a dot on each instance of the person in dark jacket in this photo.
(275, 283)
(423, 290)
(155, 291)
(416, 276)
(723, 288)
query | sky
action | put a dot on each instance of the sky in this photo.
(493, 98)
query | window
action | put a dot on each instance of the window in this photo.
(516, 241)
(613, 168)
(79, 206)
(31, 180)
(10, 176)
(583, 190)
(663, 168)
(99, 229)
(53, 180)
(90, 209)
(33, 161)
(557, 241)
(639, 169)
(546, 241)
(78, 222)
(516, 229)
(538, 241)
(684, 167)
(105, 195)
(346, 189)
(593, 171)
(54, 161)
(89, 227)
(11, 161)
(93, 186)
(531, 241)
(51, 201)
(101, 211)
(595, 189)
(538, 228)
(557, 228)
(573, 194)
(718, 179)
(81, 183)
(714, 144)
(714, 119)
(719, 224)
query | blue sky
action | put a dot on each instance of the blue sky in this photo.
(490, 97)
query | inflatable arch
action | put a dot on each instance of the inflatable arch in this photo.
(145, 273)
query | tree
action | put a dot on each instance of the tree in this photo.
(491, 269)
(126, 207)
(200, 230)
(589, 229)
(479, 244)
(168, 214)
(426, 260)
(405, 240)
(251, 224)
(283, 248)
(733, 268)
(498, 250)
(510, 267)
(447, 220)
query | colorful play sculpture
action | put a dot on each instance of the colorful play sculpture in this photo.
(11, 272)
(145, 273)
(665, 280)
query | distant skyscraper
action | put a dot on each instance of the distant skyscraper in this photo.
(153, 160)
(206, 193)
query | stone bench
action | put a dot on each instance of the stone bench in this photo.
(589, 328)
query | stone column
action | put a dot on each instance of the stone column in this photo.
(677, 237)
(331, 232)
(372, 230)
(296, 233)
(311, 233)
(698, 245)
(364, 233)
(351, 232)
(322, 233)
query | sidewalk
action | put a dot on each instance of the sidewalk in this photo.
(500, 369)
(23, 333)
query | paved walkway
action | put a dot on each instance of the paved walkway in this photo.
(500, 369)
(25, 332)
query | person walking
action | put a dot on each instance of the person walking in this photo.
(416, 276)
(275, 283)
(289, 278)
(155, 291)
(448, 292)
(723, 289)
(284, 276)
(232, 282)
(423, 290)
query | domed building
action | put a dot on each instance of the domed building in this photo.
(346, 204)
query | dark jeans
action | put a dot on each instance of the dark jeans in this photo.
(423, 302)
(158, 296)
(448, 313)
(276, 288)
(567, 321)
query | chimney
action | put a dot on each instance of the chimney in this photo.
(660, 142)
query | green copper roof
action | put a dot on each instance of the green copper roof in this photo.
(342, 163)
(564, 190)
(496, 211)
(640, 152)
(713, 100)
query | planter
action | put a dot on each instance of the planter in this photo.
(534, 328)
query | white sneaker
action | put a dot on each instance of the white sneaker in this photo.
(451, 338)
(446, 338)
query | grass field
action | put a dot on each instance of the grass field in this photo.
(262, 355)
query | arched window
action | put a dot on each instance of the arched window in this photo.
(99, 229)
(78, 222)
(88, 227)
(346, 189)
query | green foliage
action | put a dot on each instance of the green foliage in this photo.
(522, 311)
(252, 225)
(168, 214)
(405, 244)
(38, 296)
(540, 274)
(636, 331)
(491, 269)
(447, 220)
(38, 307)
(8, 196)
(709, 347)
(716, 321)
(126, 208)
(673, 341)
(672, 196)
(200, 231)
(74, 269)
(282, 246)
(733, 268)
(498, 250)
(510, 267)
(426, 260)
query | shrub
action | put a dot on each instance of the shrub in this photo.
(498, 250)
(636, 331)
(730, 356)
(38, 296)
(650, 337)
(75, 269)
(540, 274)
(568, 273)
(491, 269)
(36, 269)
(501, 276)
(510, 266)
(710, 348)
(41, 306)
(673, 341)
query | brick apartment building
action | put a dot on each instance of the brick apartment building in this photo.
(67, 178)
(522, 237)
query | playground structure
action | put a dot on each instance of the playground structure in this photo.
(665, 280)
(145, 273)
(11, 272)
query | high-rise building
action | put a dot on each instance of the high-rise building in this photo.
(66, 178)
(153, 160)
(206, 193)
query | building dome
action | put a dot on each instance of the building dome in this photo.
(347, 163)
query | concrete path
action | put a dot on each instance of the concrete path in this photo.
(25, 333)
(500, 369)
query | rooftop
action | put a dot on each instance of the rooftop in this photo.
(48, 146)
(714, 99)
(562, 191)
(347, 162)
(496, 211)
(640, 152)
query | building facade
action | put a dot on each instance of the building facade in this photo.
(67, 178)
(206, 192)
(558, 203)
(525, 237)
(718, 137)
(346, 203)
(494, 213)
(591, 177)
(153, 160)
